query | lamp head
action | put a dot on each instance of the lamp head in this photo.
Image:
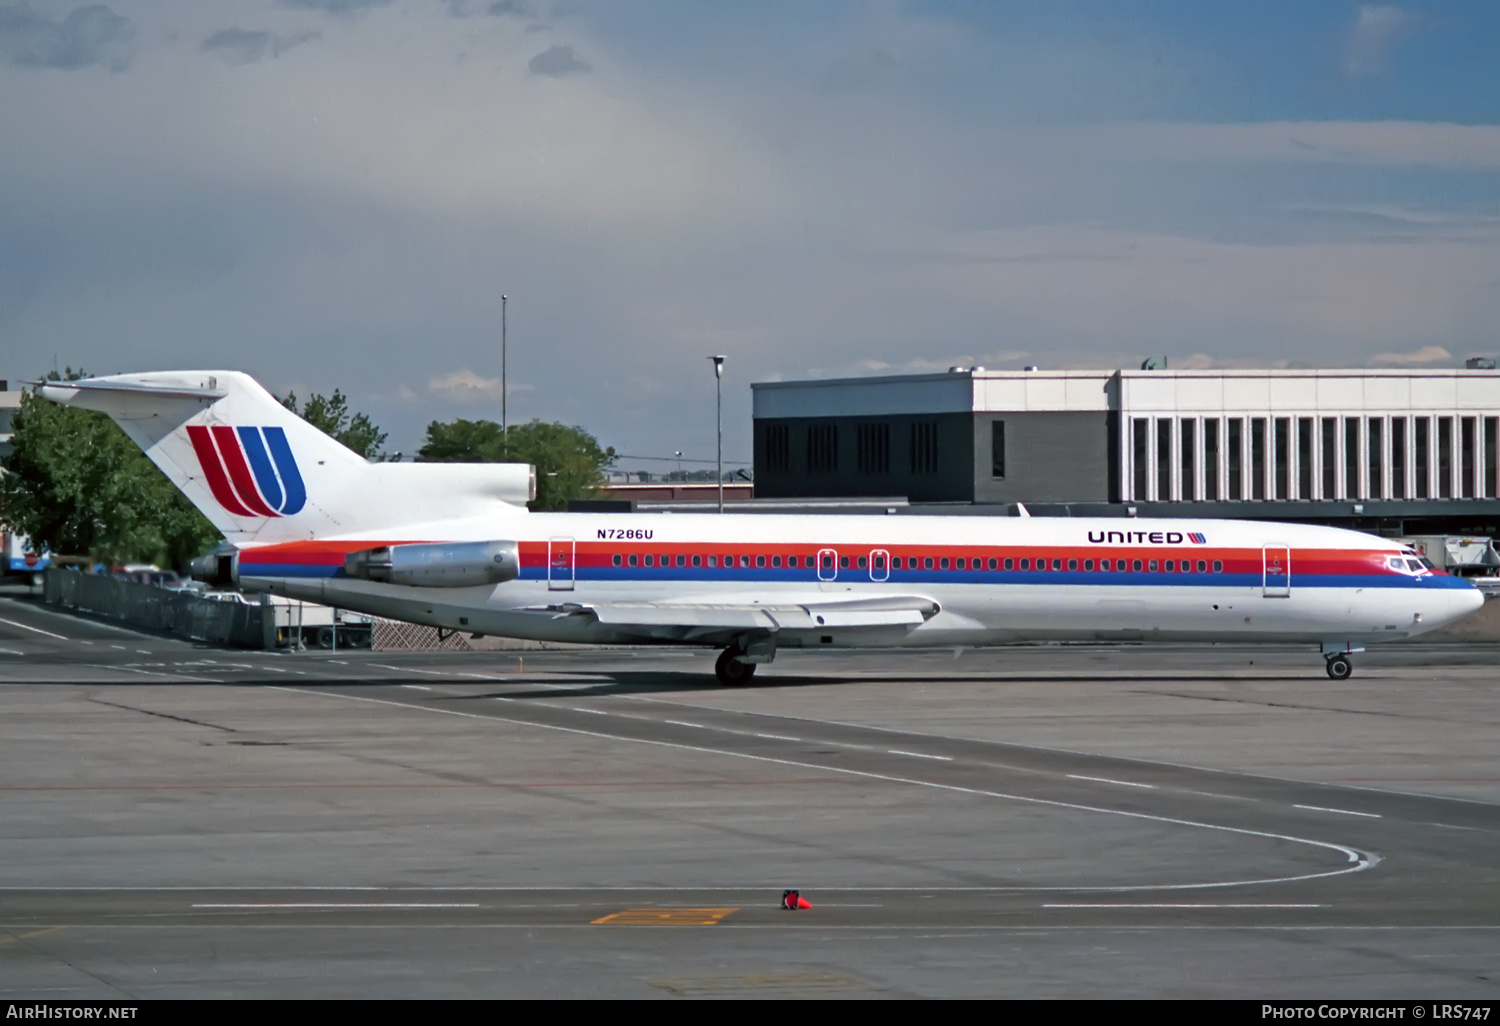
(718, 366)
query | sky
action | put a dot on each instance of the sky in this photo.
(336, 194)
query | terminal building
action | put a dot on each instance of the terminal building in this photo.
(1399, 451)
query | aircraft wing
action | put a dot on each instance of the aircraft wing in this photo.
(704, 620)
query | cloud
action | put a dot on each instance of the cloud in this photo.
(88, 35)
(237, 46)
(558, 61)
(1415, 358)
(334, 6)
(502, 8)
(465, 387)
(1375, 28)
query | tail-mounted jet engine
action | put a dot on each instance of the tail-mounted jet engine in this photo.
(437, 564)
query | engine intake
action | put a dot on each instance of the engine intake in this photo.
(437, 564)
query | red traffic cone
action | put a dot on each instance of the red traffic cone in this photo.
(793, 900)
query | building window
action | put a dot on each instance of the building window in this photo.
(822, 448)
(1328, 443)
(1491, 457)
(997, 449)
(1398, 457)
(1163, 461)
(1466, 462)
(873, 445)
(1421, 439)
(1351, 457)
(924, 448)
(1304, 458)
(1258, 458)
(1186, 461)
(1140, 447)
(778, 447)
(1281, 431)
(1210, 474)
(1375, 484)
(1445, 457)
(1235, 437)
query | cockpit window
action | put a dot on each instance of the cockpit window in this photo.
(1414, 565)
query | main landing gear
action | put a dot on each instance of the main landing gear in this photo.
(1339, 667)
(731, 670)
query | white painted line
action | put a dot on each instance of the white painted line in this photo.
(1359, 861)
(11, 651)
(38, 630)
(1177, 905)
(779, 737)
(143, 651)
(685, 723)
(120, 647)
(417, 687)
(1107, 780)
(344, 904)
(1341, 812)
(920, 755)
(596, 712)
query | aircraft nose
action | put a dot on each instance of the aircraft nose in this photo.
(1462, 602)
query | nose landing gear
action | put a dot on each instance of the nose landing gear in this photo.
(1339, 667)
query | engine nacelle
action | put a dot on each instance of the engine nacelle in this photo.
(218, 568)
(437, 564)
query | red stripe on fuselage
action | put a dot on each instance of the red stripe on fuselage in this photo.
(213, 471)
(239, 470)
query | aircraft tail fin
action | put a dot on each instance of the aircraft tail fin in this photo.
(262, 474)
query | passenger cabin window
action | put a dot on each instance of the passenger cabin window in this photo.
(1057, 564)
(1153, 566)
(827, 562)
(760, 561)
(1202, 566)
(1072, 564)
(634, 559)
(879, 562)
(1218, 566)
(1088, 564)
(995, 563)
(861, 563)
(791, 561)
(844, 562)
(1137, 566)
(1170, 566)
(697, 560)
(958, 564)
(1104, 565)
(775, 561)
(1009, 564)
(1025, 564)
(943, 563)
(615, 559)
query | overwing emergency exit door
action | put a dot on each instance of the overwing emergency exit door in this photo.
(1276, 571)
(560, 553)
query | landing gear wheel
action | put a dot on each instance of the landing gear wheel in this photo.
(731, 671)
(1339, 667)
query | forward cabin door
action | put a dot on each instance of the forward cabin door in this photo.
(1276, 571)
(560, 553)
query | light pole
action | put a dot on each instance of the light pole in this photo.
(719, 408)
(504, 413)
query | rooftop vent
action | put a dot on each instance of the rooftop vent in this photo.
(1154, 363)
(1480, 363)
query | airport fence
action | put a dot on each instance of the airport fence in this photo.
(162, 609)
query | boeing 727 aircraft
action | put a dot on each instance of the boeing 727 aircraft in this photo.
(453, 546)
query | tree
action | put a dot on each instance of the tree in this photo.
(569, 461)
(77, 485)
(330, 415)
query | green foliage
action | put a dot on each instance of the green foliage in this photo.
(330, 415)
(569, 461)
(77, 485)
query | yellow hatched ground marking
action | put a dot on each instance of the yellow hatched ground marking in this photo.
(665, 917)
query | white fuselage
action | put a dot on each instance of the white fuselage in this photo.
(1100, 579)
